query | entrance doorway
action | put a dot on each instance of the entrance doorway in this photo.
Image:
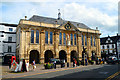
(48, 55)
(73, 55)
(34, 55)
(62, 55)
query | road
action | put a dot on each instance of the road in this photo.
(108, 72)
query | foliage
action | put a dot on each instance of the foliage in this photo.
(91, 61)
(48, 65)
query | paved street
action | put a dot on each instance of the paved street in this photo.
(86, 72)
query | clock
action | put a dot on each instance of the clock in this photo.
(67, 26)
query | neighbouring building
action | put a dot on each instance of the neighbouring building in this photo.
(42, 38)
(110, 46)
(7, 41)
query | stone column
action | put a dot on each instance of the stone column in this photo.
(88, 47)
(42, 43)
(56, 44)
(79, 45)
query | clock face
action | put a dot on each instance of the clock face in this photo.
(67, 26)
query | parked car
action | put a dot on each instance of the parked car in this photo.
(58, 61)
(112, 60)
(118, 61)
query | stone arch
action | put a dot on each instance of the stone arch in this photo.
(7, 58)
(63, 55)
(34, 55)
(73, 54)
(48, 54)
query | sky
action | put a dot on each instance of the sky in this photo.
(93, 13)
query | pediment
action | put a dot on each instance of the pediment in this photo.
(68, 26)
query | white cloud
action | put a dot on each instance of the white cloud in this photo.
(90, 16)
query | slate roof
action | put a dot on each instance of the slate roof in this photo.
(53, 21)
(113, 38)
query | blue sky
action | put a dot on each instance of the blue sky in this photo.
(94, 13)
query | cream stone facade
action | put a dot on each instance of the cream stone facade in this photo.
(70, 46)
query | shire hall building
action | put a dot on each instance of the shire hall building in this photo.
(41, 38)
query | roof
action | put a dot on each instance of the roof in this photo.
(113, 38)
(11, 25)
(55, 21)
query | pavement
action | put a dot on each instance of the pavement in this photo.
(6, 73)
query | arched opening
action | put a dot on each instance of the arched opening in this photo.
(34, 55)
(48, 55)
(73, 55)
(7, 58)
(62, 55)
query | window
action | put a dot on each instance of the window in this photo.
(94, 40)
(9, 48)
(85, 40)
(51, 37)
(46, 37)
(71, 39)
(9, 39)
(82, 40)
(75, 39)
(32, 36)
(113, 46)
(64, 38)
(91, 41)
(37, 36)
(10, 29)
(60, 38)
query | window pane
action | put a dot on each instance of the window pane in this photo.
(9, 39)
(85, 40)
(46, 37)
(60, 38)
(91, 40)
(71, 39)
(32, 36)
(10, 29)
(64, 38)
(75, 39)
(51, 37)
(37, 36)
(82, 40)
(9, 48)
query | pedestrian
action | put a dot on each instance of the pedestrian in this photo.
(75, 62)
(54, 64)
(27, 65)
(99, 61)
(24, 66)
(9, 63)
(13, 64)
(86, 61)
(64, 62)
(34, 65)
(103, 60)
